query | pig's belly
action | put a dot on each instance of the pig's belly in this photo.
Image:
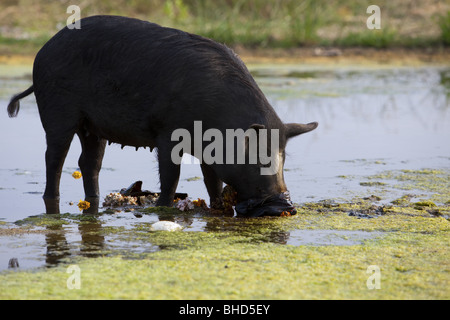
(123, 131)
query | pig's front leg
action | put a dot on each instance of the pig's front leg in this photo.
(214, 186)
(169, 173)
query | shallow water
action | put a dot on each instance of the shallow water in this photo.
(370, 120)
(330, 237)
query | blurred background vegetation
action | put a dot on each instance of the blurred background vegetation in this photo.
(25, 25)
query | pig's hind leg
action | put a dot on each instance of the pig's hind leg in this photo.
(90, 162)
(58, 138)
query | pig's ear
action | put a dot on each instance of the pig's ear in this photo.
(257, 126)
(294, 129)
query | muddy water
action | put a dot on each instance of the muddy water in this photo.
(370, 120)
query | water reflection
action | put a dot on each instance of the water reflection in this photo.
(94, 243)
(59, 248)
(92, 239)
(91, 236)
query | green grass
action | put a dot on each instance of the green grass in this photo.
(444, 24)
(250, 23)
(370, 38)
(10, 45)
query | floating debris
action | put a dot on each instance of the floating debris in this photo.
(135, 190)
(372, 183)
(369, 213)
(201, 203)
(83, 205)
(116, 199)
(77, 175)
(193, 179)
(372, 198)
(134, 196)
(13, 263)
(185, 205)
(166, 226)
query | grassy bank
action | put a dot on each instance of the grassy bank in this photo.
(26, 24)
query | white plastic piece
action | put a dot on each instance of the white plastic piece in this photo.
(166, 226)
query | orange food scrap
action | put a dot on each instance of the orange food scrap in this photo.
(76, 174)
(285, 214)
(200, 203)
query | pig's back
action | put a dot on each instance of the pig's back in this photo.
(116, 65)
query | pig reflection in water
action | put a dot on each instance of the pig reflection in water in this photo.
(134, 83)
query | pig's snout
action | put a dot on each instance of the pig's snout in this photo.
(275, 205)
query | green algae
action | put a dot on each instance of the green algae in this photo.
(226, 263)
(241, 258)
(372, 183)
(434, 182)
(223, 268)
(161, 210)
(423, 204)
(56, 220)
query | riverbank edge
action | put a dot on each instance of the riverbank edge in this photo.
(315, 55)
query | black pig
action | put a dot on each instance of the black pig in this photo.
(134, 83)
